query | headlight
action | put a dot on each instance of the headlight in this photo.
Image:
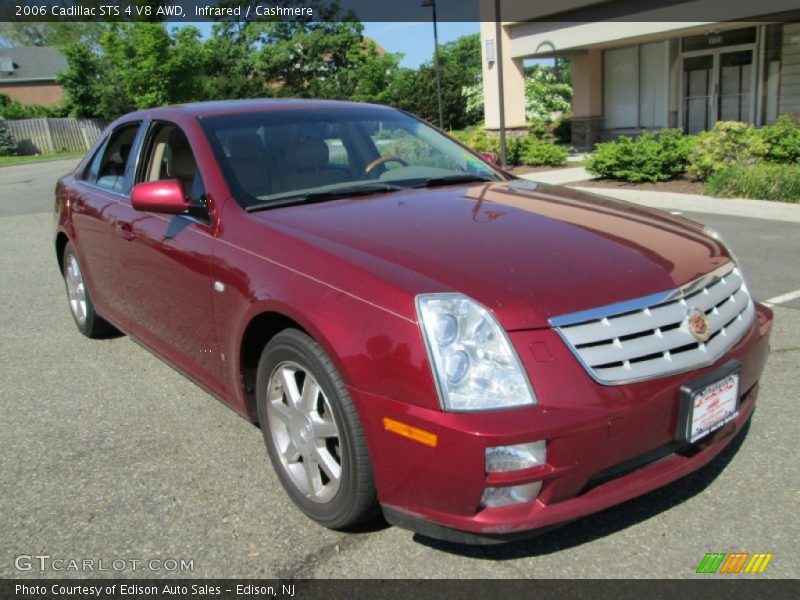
(715, 235)
(473, 362)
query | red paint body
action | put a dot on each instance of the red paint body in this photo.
(347, 271)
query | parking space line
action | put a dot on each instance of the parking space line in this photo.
(783, 298)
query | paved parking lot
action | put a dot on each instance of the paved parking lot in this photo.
(110, 454)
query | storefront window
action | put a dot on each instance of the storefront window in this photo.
(635, 86)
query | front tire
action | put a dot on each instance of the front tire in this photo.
(312, 432)
(88, 322)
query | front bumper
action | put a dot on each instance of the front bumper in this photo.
(605, 444)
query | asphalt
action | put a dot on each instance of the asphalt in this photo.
(110, 454)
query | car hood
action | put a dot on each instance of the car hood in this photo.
(526, 251)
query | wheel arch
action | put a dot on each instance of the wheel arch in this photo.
(261, 328)
(61, 245)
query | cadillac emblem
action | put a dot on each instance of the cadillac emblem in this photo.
(698, 325)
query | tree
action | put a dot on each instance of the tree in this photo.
(140, 65)
(473, 101)
(138, 56)
(416, 92)
(83, 81)
(49, 34)
(230, 69)
(545, 94)
(309, 60)
(371, 75)
(136, 66)
(8, 146)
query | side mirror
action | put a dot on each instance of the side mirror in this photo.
(160, 197)
(490, 157)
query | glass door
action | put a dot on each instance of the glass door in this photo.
(698, 91)
(717, 87)
(735, 97)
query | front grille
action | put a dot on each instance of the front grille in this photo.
(649, 337)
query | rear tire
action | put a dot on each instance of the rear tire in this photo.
(312, 432)
(88, 322)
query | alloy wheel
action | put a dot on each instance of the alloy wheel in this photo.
(304, 431)
(76, 289)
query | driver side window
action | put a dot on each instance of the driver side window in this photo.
(168, 155)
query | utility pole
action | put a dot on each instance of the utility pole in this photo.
(498, 32)
(437, 66)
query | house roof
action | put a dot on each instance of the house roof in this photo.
(30, 63)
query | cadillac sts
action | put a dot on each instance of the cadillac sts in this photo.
(415, 330)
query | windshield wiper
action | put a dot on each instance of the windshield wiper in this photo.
(452, 179)
(323, 195)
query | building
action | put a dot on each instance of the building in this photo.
(641, 65)
(28, 74)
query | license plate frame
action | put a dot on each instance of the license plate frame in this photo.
(697, 422)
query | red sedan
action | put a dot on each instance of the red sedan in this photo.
(414, 330)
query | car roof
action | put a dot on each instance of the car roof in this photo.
(229, 107)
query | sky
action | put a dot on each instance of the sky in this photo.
(415, 40)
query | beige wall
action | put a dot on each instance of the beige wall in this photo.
(46, 93)
(587, 84)
(513, 83)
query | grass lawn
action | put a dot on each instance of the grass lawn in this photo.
(17, 160)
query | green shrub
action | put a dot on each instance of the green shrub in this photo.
(650, 157)
(543, 153)
(538, 130)
(767, 181)
(8, 146)
(783, 140)
(729, 143)
(515, 147)
(480, 141)
(462, 135)
(13, 110)
(562, 129)
(520, 150)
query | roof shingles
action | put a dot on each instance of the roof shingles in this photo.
(32, 63)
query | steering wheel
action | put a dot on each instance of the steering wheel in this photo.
(382, 160)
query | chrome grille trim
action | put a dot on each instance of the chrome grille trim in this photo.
(648, 337)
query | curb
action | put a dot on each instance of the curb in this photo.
(75, 159)
(735, 207)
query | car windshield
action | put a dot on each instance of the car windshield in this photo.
(289, 156)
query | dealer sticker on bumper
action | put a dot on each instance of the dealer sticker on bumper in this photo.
(714, 406)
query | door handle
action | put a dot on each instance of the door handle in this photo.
(77, 203)
(127, 231)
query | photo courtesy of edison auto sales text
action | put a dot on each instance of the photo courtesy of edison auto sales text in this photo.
(166, 589)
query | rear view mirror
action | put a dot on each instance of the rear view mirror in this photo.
(160, 197)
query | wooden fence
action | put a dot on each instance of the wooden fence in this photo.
(51, 136)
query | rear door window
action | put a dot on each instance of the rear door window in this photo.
(112, 166)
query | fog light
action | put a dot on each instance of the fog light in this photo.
(515, 494)
(515, 458)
